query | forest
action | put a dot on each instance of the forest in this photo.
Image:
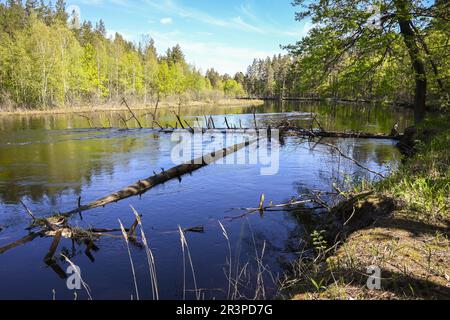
(320, 172)
(49, 58)
(356, 51)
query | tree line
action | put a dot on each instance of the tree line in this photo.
(49, 58)
(358, 49)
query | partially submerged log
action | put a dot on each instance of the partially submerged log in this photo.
(143, 186)
(21, 242)
(294, 131)
(340, 134)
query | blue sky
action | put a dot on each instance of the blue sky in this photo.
(226, 35)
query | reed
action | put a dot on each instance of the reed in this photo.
(225, 234)
(150, 258)
(185, 250)
(127, 241)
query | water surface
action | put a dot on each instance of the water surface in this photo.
(50, 161)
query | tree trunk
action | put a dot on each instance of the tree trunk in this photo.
(410, 37)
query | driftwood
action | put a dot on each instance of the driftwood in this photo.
(143, 186)
(54, 246)
(85, 117)
(271, 207)
(340, 134)
(133, 115)
(293, 131)
(197, 229)
(21, 242)
(58, 228)
(351, 159)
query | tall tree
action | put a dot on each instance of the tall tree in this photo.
(175, 55)
(369, 28)
(50, 59)
(60, 11)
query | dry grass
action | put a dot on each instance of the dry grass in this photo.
(222, 103)
(127, 241)
(408, 241)
(150, 258)
(185, 249)
(76, 270)
(414, 259)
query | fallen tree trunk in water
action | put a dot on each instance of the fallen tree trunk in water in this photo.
(143, 186)
(339, 134)
(298, 132)
(21, 242)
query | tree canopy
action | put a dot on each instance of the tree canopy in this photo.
(375, 50)
(49, 58)
(357, 40)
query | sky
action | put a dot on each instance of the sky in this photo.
(226, 35)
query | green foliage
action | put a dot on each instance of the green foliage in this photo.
(423, 183)
(233, 88)
(318, 285)
(49, 59)
(319, 242)
(345, 56)
(271, 77)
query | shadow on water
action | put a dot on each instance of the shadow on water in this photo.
(48, 161)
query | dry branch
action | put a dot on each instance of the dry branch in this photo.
(339, 134)
(20, 242)
(351, 159)
(85, 117)
(143, 186)
(133, 115)
(269, 208)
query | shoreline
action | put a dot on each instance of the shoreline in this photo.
(224, 103)
(398, 226)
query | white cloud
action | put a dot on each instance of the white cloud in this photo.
(239, 22)
(170, 6)
(224, 54)
(246, 10)
(204, 55)
(166, 20)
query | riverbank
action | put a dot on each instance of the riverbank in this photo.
(400, 225)
(223, 103)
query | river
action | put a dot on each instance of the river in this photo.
(48, 161)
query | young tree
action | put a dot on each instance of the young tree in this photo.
(214, 77)
(233, 89)
(150, 68)
(175, 55)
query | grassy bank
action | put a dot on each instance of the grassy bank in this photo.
(223, 103)
(402, 227)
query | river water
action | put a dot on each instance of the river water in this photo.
(49, 161)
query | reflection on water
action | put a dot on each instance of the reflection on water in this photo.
(49, 161)
(367, 118)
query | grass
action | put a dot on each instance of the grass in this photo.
(239, 277)
(185, 249)
(408, 241)
(423, 183)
